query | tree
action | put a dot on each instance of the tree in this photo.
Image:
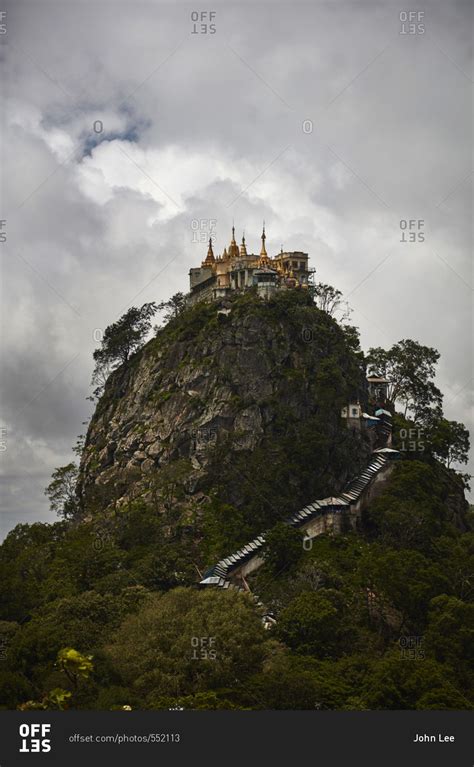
(100, 376)
(351, 335)
(25, 562)
(411, 511)
(329, 300)
(75, 665)
(168, 486)
(120, 341)
(450, 636)
(409, 367)
(225, 529)
(449, 441)
(13, 688)
(397, 683)
(399, 585)
(173, 306)
(314, 624)
(187, 641)
(61, 491)
(283, 547)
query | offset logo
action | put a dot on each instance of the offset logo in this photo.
(35, 738)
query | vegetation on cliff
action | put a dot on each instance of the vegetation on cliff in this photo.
(217, 428)
(245, 400)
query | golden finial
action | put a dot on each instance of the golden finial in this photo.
(233, 247)
(210, 255)
(243, 247)
(263, 251)
(263, 259)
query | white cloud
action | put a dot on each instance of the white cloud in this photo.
(215, 126)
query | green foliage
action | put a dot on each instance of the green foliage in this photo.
(75, 665)
(54, 699)
(187, 642)
(314, 624)
(114, 590)
(409, 367)
(77, 668)
(173, 306)
(448, 441)
(210, 700)
(84, 621)
(225, 528)
(412, 510)
(185, 326)
(283, 547)
(450, 633)
(61, 491)
(399, 586)
(14, 687)
(120, 341)
(398, 683)
(329, 300)
(25, 559)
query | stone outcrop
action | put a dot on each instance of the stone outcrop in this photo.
(214, 385)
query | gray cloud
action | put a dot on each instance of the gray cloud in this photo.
(200, 127)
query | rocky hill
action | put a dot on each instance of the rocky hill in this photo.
(223, 425)
(239, 402)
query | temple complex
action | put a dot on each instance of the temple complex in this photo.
(237, 269)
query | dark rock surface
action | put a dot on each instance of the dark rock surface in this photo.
(253, 388)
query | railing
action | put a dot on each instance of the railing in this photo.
(220, 574)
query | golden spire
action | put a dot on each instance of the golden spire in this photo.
(210, 260)
(263, 251)
(210, 252)
(243, 247)
(224, 255)
(263, 259)
(233, 247)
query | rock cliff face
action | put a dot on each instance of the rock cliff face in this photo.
(242, 399)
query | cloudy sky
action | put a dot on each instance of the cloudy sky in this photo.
(129, 127)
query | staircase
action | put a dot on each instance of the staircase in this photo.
(250, 557)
